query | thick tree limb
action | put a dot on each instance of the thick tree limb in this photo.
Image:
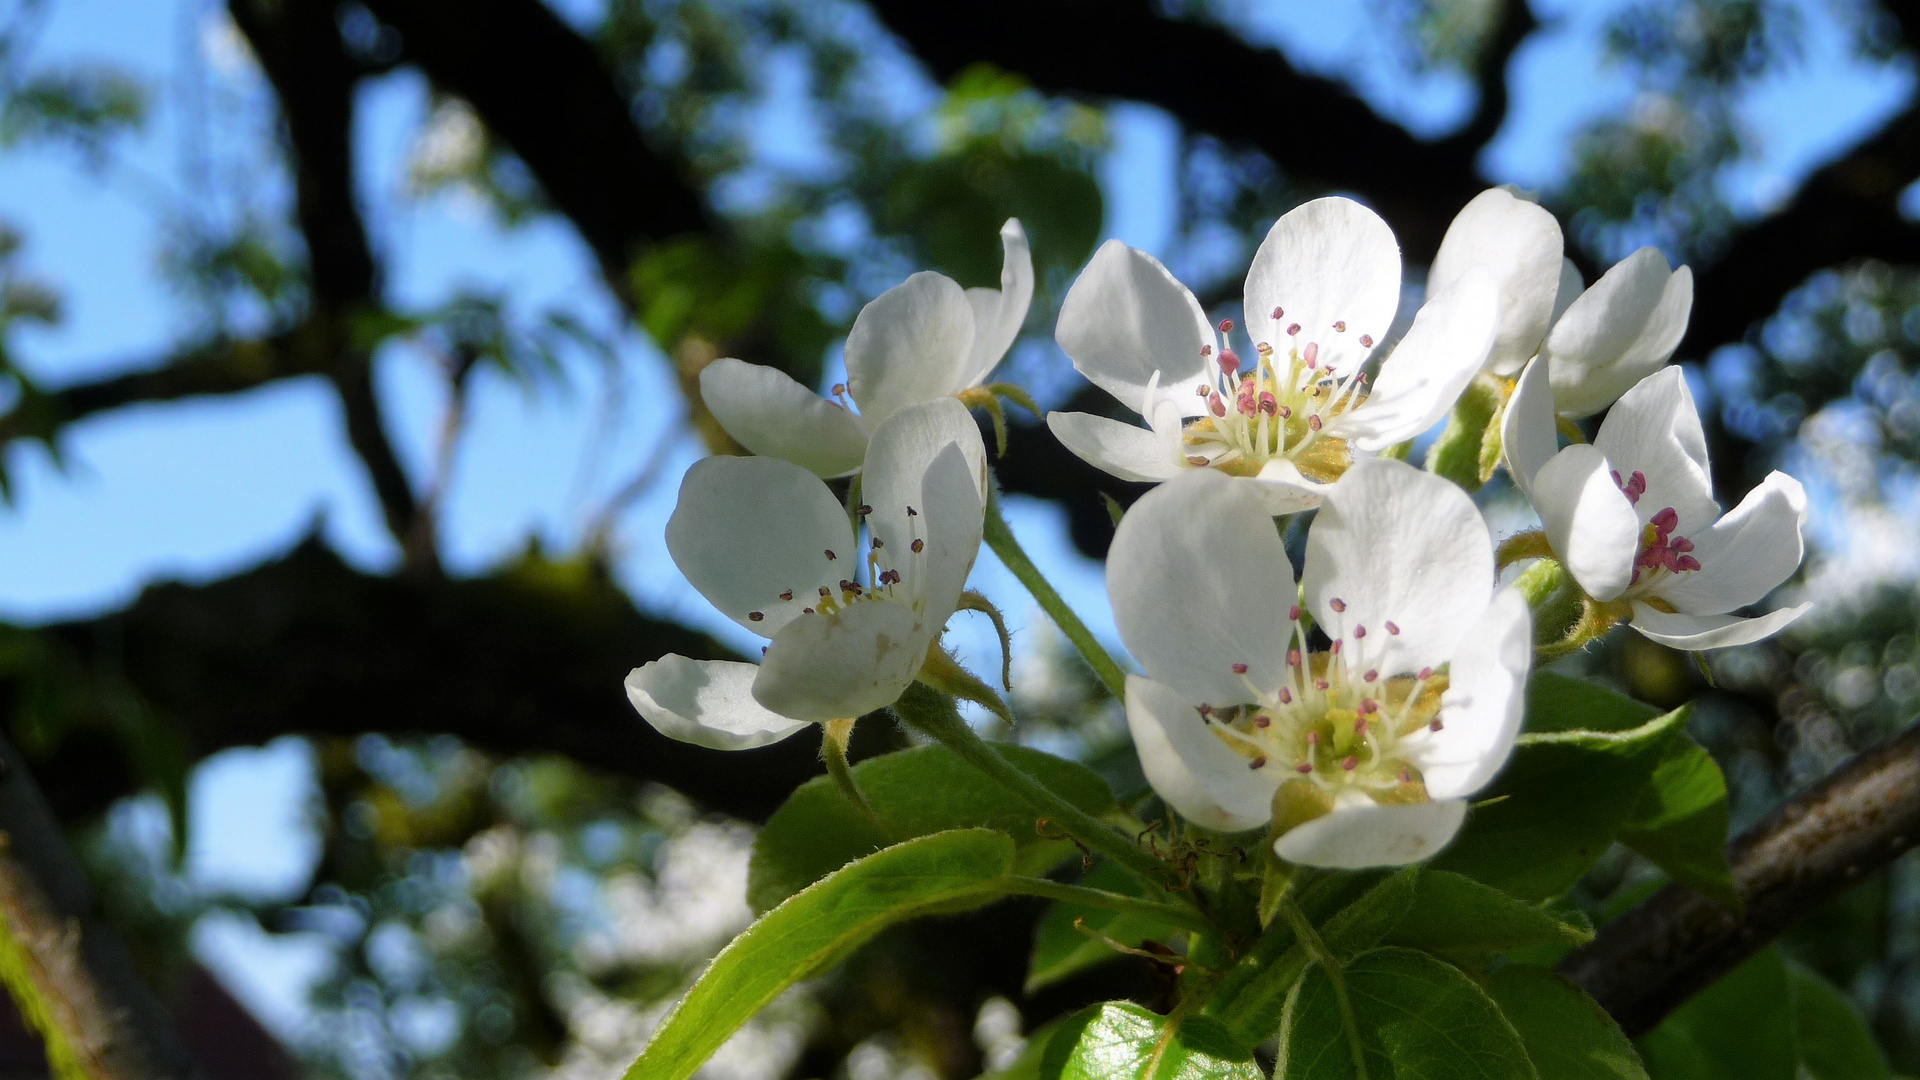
(527, 661)
(1822, 842)
(79, 977)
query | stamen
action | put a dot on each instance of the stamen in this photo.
(1340, 326)
(1371, 675)
(1292, 329)
(1196, 461)
(1337, 604)
(1239, 669)
(1392, 629)
(1366, 341)
(863, 510)
(1350, 763)
(1278, 312)
(919, 546)
(830, 555)
(1257, 762)
(1229, 362)
(1303, 768)
(1311, 353)
(755, 616)
(788, 595)
(1436, 725)
(1226, 326)
(1286, 696)
(1314, 421)
(1359, 632)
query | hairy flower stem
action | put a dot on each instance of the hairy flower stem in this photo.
(1171, 915)
(1317, 949)
(1000, 538)
(833, 749)
(933, 714)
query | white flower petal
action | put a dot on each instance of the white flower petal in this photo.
(844, 665)
(1360, 837)
(1188, 765)
(1746, 554)
(1618, 332)
(1444, 349)
(747, 529)
(1698, 632)
(928, 457)
(1395, 544)
(1200, 581)
(1125, 318)
(909, 345)
(706, 702)
(1519, 241)
(1328, 261)
(1528, 436)
(1589, 522)
(1572, 285)
(998, 314)
(1281, 489)
(1654, 430)
(1125, 450)
(1484, 702)
(769, 413)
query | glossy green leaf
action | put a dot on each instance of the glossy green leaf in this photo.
(1452, 913)
(1567, 1034)
(1419, 1019)
(916, 792)
(1062, 950)
(1251, 996)
(1680, 823)
(1367, 921)
(1740, 1028)
(815, 927)
(1566, 793)
(1122, 1041)
(1834, 1041)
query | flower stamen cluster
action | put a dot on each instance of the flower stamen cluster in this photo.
(1279, 408)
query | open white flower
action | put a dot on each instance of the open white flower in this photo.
(1321, 293)
(922, 340)
(768, 544)
(1632, 516)
(1366, 751)
(1520, 243)
(1618, 332)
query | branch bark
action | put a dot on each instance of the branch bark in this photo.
(79, 984)
(527, 661)
(1816, 846)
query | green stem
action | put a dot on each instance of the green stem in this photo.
(1169, 914)
(933, 714)
(833, 749)
(1000, 538)
(1309, 939)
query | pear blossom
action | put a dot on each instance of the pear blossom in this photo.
(766, 542)
(922, 340)
(1618, 332)
(1519, 241)
(1632, 516)
(1320, 296)
(1360, 754)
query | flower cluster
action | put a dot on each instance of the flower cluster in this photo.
(1349, 706)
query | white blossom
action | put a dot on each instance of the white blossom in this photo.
(1519, 242)
(1618, 332)
(1632, 516)
(1366, 750)
(1321, 293)
(767, 543)
(920, 341)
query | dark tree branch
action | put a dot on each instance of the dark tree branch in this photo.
(78, 976)
(525, 662)
(545, 91)
(298, 43)
(1803, 855)
(1511, 30)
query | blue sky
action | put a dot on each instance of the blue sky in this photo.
(201, 489)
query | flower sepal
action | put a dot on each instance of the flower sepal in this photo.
(943, 673)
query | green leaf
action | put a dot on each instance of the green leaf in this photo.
(1740, 1028)
(1573, 781)
(812, 929)
(1122, 1041)
(1680, 823)
(1367, 921)
(1251, 996)
(1834, 1041)
(1567, 1034)
(1457, 914)
(916, 792)
(1419, 1019)
(1061, 950)
(1456, 454)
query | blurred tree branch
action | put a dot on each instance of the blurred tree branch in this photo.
(69, 974)
(527, 661)
(1804, 854)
